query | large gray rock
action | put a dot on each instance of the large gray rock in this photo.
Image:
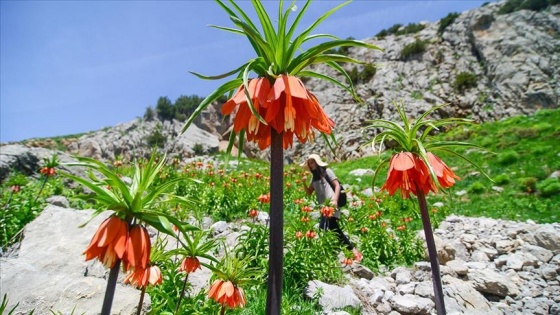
(332, 296)
(49, 273)
(28, 161)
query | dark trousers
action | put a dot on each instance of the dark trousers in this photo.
(332, 225)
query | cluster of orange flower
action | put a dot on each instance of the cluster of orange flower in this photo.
(327, 211)
(287, 107)
(253, 213)
(190, 264)
(409, 173)
(264, 198)
(47, 171)
(115, 239)
(226, 293)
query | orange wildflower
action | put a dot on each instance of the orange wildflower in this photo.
(140, 278)
(15, 188)
(310, 234)
(47, 171)
(265, 198)
(294, 110)
(256, 131)
(287, 106)
(305, 219)
(299, 234)
(190, 264)
(226, 293)
(109, 242)
(138, 248)
(446, 177)
(347, 261)
(406, 172)
(253, 213)
(306, 209)
(327, 211)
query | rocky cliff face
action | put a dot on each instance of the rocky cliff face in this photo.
(513, 58)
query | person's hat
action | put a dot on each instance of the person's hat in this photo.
(317, 159)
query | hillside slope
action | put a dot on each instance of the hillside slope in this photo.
(484, 65)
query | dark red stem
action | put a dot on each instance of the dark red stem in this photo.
(432, 252)
(275, 262)
(110, 290)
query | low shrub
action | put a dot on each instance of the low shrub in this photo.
(464, 81)
(501, 179)
(533, 5)
(508, 157)
(476, 188)
(156, 139)
(413, 49)
(446, 21)
(528, 184)
(398, 29)
(198, 149)
(549, 187)
(363, 76)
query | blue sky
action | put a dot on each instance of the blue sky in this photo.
(69, 67)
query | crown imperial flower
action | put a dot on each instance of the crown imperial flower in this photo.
(109, 241)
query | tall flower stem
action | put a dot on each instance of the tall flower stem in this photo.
(139, 310)
(432, 252)
(110, 290)
(182, 293)
(275, 262)
(8, 202)
(41, 190)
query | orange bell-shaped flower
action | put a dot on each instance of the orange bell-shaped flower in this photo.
(138, 248)
(190, 264)
(407, 172)
(294, 110)
(109, 241)
(287, 107)
(140, 278)
(446, 177)
(226, 293)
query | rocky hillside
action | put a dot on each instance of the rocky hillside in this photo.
(483, 64)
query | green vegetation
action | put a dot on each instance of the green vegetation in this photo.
(446, 21)
(398, 29)
(464, 81)
(366, 74)
(156, 138)
(534, 5)
(519, 153)
(181, 109)
(413, 49)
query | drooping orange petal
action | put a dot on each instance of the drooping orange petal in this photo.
(226, 290)
(155, 275)
(237, 99)
(297, 89)
(402, 161)
(214, 289)
(138, 248)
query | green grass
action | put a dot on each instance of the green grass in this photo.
(518, 153)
